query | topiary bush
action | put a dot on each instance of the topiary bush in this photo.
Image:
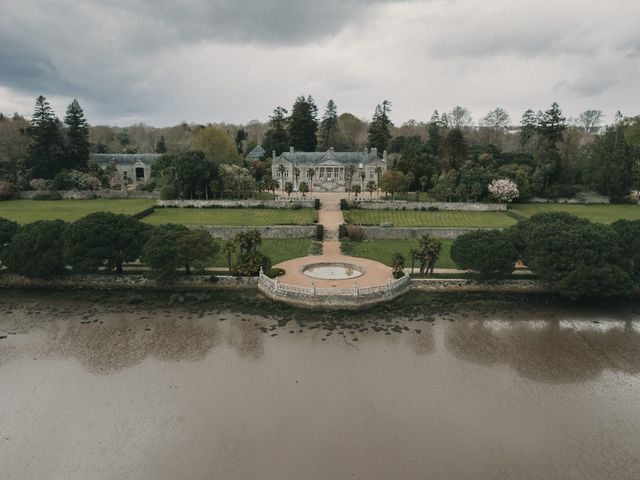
(319, 232)
(316, 203)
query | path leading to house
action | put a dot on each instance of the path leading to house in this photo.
(330, 217)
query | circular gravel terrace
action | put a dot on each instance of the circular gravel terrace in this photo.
(372, 273)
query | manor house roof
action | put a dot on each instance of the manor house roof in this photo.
(364, 157)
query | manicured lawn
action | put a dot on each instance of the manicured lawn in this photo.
(277, 250)
(411, 218)
(595, 213)
(382, 250)
(252, 217)
(27, 211)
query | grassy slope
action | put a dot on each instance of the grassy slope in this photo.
(253, 217)
(27, 211)
(381, 251)
(595, 213)
(410, 218)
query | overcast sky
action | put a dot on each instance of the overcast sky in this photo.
(164, 61)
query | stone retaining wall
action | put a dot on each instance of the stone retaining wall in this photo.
(279, 203)
(273, 232)
(469, 285)
(90, 194)
(117, 282)
(412, 233)
(401, 204)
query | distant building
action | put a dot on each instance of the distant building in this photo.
(133, 167)
(331, 168)
(257, 153)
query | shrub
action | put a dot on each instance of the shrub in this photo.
(47, 196)
(316, 248)
(574, 257)
(296, 206)
(346, 247)
(249, 263)
(491, 253)
(342, 230)
(397, 265)
(274, 272)
(7, 190)
(433, 209)
(36, 250)
(76, 180)
(104, 239)
(559, 191)
(355, 233)
(168, 192)
(386, 225)
(503, 190)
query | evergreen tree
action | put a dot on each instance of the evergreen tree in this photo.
(303, 125)
(329, 126)
(528, 127)
(552, 124)
(276, 138)
(454, 151)
(435, 132)
(241, 135)
(77, 151)
(161, 146)
(380, 127)
(45, 148)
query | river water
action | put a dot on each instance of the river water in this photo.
(89, 391)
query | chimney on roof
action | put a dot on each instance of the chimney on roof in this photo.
(384, 155)
(330, 149)
(273, 154)
(291, 149)
(374, 151)
(365, 151)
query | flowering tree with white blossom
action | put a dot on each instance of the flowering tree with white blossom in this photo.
(504, 190)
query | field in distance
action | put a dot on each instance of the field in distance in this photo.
(444, 219)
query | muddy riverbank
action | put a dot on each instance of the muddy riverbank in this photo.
(101, 385)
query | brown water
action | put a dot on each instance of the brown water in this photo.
(161, 393)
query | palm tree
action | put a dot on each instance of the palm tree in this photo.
(363, 175)
(281, 170)
(229, 248)
(371, 187)
(397, 264)
(296, 174)
(288, 187)
(311, 172)
(356, 189)
(378, 173)
(415, 254)
(351, 170)
(304, 188)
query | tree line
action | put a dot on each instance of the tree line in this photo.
(105, 241)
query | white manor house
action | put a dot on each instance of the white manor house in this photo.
(330, 169)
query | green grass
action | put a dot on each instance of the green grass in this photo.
(27, 211)
(252, 217)
(595, 213)
(277, 250)
(382, 250)
(411, 218)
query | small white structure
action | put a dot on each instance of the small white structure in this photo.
(132, 167)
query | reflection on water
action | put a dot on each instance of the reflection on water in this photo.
(157, 394)
(548, 351)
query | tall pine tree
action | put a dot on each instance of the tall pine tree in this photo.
(276, 138)
(45, 146)
(328, 127)
(77, 148)
(303, 125)
(380, 127)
